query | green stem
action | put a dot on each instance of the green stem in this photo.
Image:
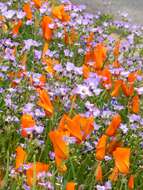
(73, 170)
(7, 168)
(34, 173)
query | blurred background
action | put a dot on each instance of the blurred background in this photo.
(133, 9)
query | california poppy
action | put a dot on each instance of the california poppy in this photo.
(49, 65)
(60, 13)
(131, 182)
(122, 159)
(114, 175)
(111, 147)
(98, 173)
(69, 126)
(70, 186)
(116, 64)
(101, 147)
(70, 37)
(128, 90)
(86, 71)
(28, 11)
(116, 89)
(132, 77)
(106, 78)
(86, 125)
(100, 54)
(35, 168)
(37, 3)
(73, 35)
(16, 28)
(42, 80)
(116, 50)
(114, 125)
(89, 57)
(45, 102)
(45, 49)
(47, 31)
(135, 104)
(27, 123)
(21, 156)
(61, 149)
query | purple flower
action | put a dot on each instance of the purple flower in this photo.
(70, 66)
(26, 187)
(124, 128)
(8, 13)
(52, 155)
(134, 118)
(39, 113)
(37, 54)
(20, 14)
(28, 108)
(39, 129)
(78, 70)
(83, 91)
(58, 68)
(43, 8)
(69, 140)
(99, 187)
(140, 90)
(29, 43)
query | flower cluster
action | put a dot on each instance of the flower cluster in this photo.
(70, 105)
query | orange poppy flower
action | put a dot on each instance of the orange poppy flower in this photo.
(107, 81)
(132, 77)
(136, 104)
(61, 149)
(42, 80)
(66, 37)
(70, 37)
(122, 159)
(70, 186)
(131, 182)
(21, 156)
(27, 121)
(89, 57)
(16, 28)
(45, 49)
(101, 147)
(116, 89)
(47, 31)
(45, 102)
(90, 39)
(86, 71)
(37, 168)
(98, 174)
(111, 147)
(116, 50)
(37, 3)
(86, 125)
(50, 63)
(100, 54)
(114, 175)
(114, 125)
(59, 12)
(116, 64)
(127, 90)
(70, 127)
(28, 11)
